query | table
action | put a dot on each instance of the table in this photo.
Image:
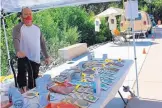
(105, 97)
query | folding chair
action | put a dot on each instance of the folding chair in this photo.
(118, 38)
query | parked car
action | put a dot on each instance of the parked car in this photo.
(142, 24)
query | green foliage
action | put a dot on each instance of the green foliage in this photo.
(10, 22)
(154, 7)
(61, 27)
(157, 9)
(71, 35)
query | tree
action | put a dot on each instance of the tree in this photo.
(61, 27)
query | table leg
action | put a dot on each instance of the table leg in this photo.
(122, 98)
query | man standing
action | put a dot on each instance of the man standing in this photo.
(28, 42)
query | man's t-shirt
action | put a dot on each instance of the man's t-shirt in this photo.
(30, 42)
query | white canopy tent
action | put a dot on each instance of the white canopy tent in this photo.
(16, 5)
(13, 6)
(132, 14)
(111, 11)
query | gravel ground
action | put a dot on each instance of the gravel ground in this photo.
(57, 62)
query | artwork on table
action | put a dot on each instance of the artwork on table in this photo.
(60, 79)
(30, 95)
(79, 95)
(119, 64)
(81, 76)
(89, 91)
(69, 100)
(53, 97)
(81, 89)
(83, 96)
(91, 98)
(89, 71)
(104, 87)
(82, 103)
(75, 76)
(107, 81)
(73, 95)
(114, 69)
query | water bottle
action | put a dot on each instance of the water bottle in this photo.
(104, 57)
(47, 78)
(89, 57)
(16, 97)
(41, 85)
(92, 56)
(43, 99)
(96, 84)
(48, 81)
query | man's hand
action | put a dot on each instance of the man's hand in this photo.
(20, 54)
(47, 61)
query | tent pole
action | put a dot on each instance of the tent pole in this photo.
(135, 57)
(6, 40)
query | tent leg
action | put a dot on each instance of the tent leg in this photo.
(6, 40)
(135, 58)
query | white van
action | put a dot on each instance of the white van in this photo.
(142, 24)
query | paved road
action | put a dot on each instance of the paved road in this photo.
(150, 77)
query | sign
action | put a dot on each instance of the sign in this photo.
(131, 9)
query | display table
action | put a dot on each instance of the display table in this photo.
(105, 96)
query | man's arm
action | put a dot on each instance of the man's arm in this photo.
(16, 40)
(43, 46)
(16, 37)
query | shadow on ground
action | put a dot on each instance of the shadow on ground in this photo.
(81, 56)
(138, 43)
(115, 103)
(149, 103)
(135, 103)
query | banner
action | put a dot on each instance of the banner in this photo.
(97, 24)
(112, 23)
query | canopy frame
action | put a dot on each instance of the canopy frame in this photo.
(55, 6)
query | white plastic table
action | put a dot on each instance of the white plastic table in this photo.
(105, 97)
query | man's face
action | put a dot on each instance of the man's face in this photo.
(27, 16)
(159, 22)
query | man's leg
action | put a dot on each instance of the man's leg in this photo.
(32, 74)
(36, 72)
(21, 77)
